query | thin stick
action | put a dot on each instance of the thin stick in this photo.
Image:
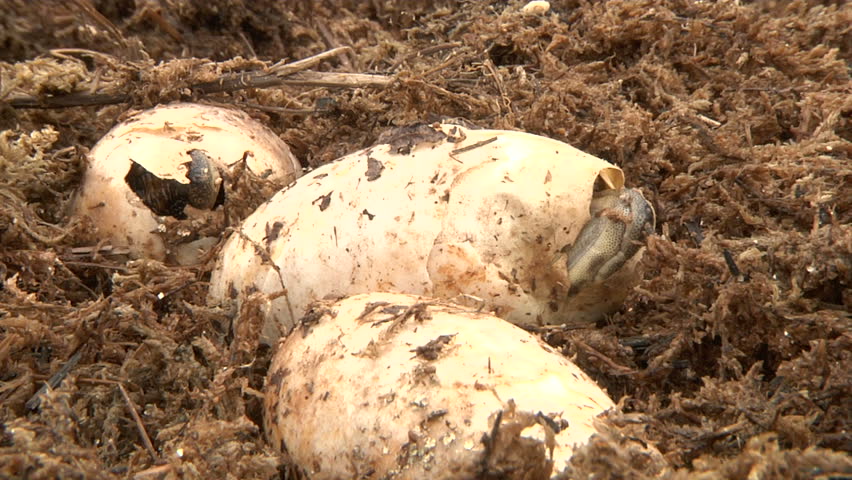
(324, 79)
(96, 265)
(98, 250)
(226, 84)
(501, 87)
(708, 120)
(620, 369)
(93, 14)
(332, 42)
(448, 63)
(424, 52)
(69, 100)
(54, 381)
(294, 73)
(270, 77)
(245, 39)
(281, 110)
(474, 146)
(99, 381)
(331, 79)
(67, 52)
(283, 69)
(153, 471)
(139, 426)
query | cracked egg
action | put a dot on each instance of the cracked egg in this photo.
(166, 169)
(535, 229)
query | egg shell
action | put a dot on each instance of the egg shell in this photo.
(403, 386)
(159, 140)
(481, 213)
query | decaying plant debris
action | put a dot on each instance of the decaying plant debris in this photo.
(733, 356)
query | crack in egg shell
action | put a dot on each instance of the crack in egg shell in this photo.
(158, 162)
(482, 213)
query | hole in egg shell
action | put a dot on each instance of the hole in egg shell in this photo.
(169, 197)
(166, 171)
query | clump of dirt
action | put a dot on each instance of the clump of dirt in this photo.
(733, 357)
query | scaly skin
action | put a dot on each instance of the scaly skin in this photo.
(204, 181)
(621, 221)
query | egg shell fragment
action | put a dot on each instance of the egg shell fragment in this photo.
(159, 140)
(405, 387)
(483, 213)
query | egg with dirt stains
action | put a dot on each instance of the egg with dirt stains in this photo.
(525, 226)
(400, 386)
(171, 163)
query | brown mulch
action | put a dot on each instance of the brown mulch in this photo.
(733, 356)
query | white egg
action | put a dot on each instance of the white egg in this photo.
(139, 173)
(401, 386)
(444, 211)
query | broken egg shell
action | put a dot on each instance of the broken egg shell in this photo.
(160, 140)
(486, 213)
(406, 387)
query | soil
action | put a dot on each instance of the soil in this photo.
(733, 357)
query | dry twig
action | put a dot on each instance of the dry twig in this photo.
(35, 401)
(295, 73)
(146, 440)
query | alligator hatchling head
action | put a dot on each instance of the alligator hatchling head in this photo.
(201, 187)
(620, 224)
